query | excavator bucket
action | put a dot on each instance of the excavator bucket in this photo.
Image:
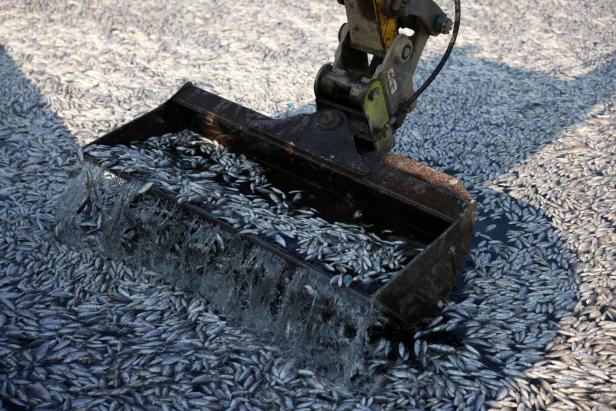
(304, 229)
(375, 235)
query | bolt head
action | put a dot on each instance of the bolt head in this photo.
(443, 24)
(327, 120)
(406, 52)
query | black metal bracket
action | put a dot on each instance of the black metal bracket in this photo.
(324, 134)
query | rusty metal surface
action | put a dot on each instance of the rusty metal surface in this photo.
(397, 190)
(429, 278)
(428, 174)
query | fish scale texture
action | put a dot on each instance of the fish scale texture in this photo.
(524, 114)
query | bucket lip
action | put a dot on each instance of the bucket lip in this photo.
(459, 217)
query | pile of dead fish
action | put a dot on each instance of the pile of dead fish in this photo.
(199, 171)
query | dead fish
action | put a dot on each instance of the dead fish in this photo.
(280, 240)
(144, 188)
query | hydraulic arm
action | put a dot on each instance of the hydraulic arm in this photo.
(371, 78)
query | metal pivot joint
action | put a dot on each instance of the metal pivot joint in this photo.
(372, 75)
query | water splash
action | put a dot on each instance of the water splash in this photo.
(281, 302)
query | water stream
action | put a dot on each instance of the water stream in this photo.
(279, 301)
